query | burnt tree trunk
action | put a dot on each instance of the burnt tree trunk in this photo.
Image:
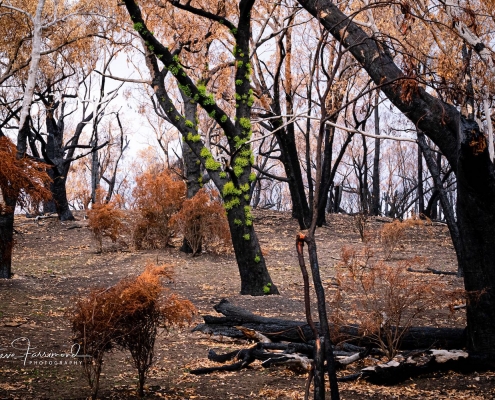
(59, 193)
(192, 165)
(54, 155)
(286, 138)
(255, 279)
(433, 207)
(287, 143)
(476, 221)
(335, 207)
(290, 161)
(326, 174)
(6, 236)
(375, 196)
(49, 206)
(421, 192)
(289, 157)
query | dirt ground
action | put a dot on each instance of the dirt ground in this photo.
(54, 262)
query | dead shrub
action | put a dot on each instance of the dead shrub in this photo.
(393, 233)
(385, 301)
(158, 196)
(127, 316)
(25, 179)
(390, 237)
(92, 322)
(202, 221)
(361, 222)
(105, 220)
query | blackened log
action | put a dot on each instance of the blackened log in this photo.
(394, 372)
(432, 271)
(299, 332)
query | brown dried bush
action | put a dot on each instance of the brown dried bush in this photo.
(22, 179)
(202, 221)
(127, 316)
(393, 233)
(105, 220)
(361, 222)
(158, 196)
(384, 300)
(92, 322)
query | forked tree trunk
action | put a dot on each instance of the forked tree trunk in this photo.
(55, 155)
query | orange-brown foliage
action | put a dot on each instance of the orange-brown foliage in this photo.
(105, 220)
(158, 196)
(394, 233)
(361, 223)
(202, 221)
(23, 179)
(384, 300)
(127, 315)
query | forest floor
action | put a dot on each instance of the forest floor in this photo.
(55, 262)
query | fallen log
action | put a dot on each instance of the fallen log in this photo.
(278, 330)
(430, 270)
(409, 365)
(293, 354)
(425, 362)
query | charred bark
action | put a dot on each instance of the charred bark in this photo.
(422, 362)
(54, 155)
(6, 236)
(421, 192)
(476, 221)
(192, 164)
(375, 196)
(326, 174)
(300, 332)
(255, 279)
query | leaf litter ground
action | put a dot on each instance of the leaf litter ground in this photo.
(56, 261)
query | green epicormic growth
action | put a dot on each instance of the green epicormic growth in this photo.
(229, 189)
(248, 216)
(210, 163)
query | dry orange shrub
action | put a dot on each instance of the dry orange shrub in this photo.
(202, 221)
(394, 233)
(23, 179)
(127, 316)
(384, 300)
(158, 196)
(105, 219)
(361, 222)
